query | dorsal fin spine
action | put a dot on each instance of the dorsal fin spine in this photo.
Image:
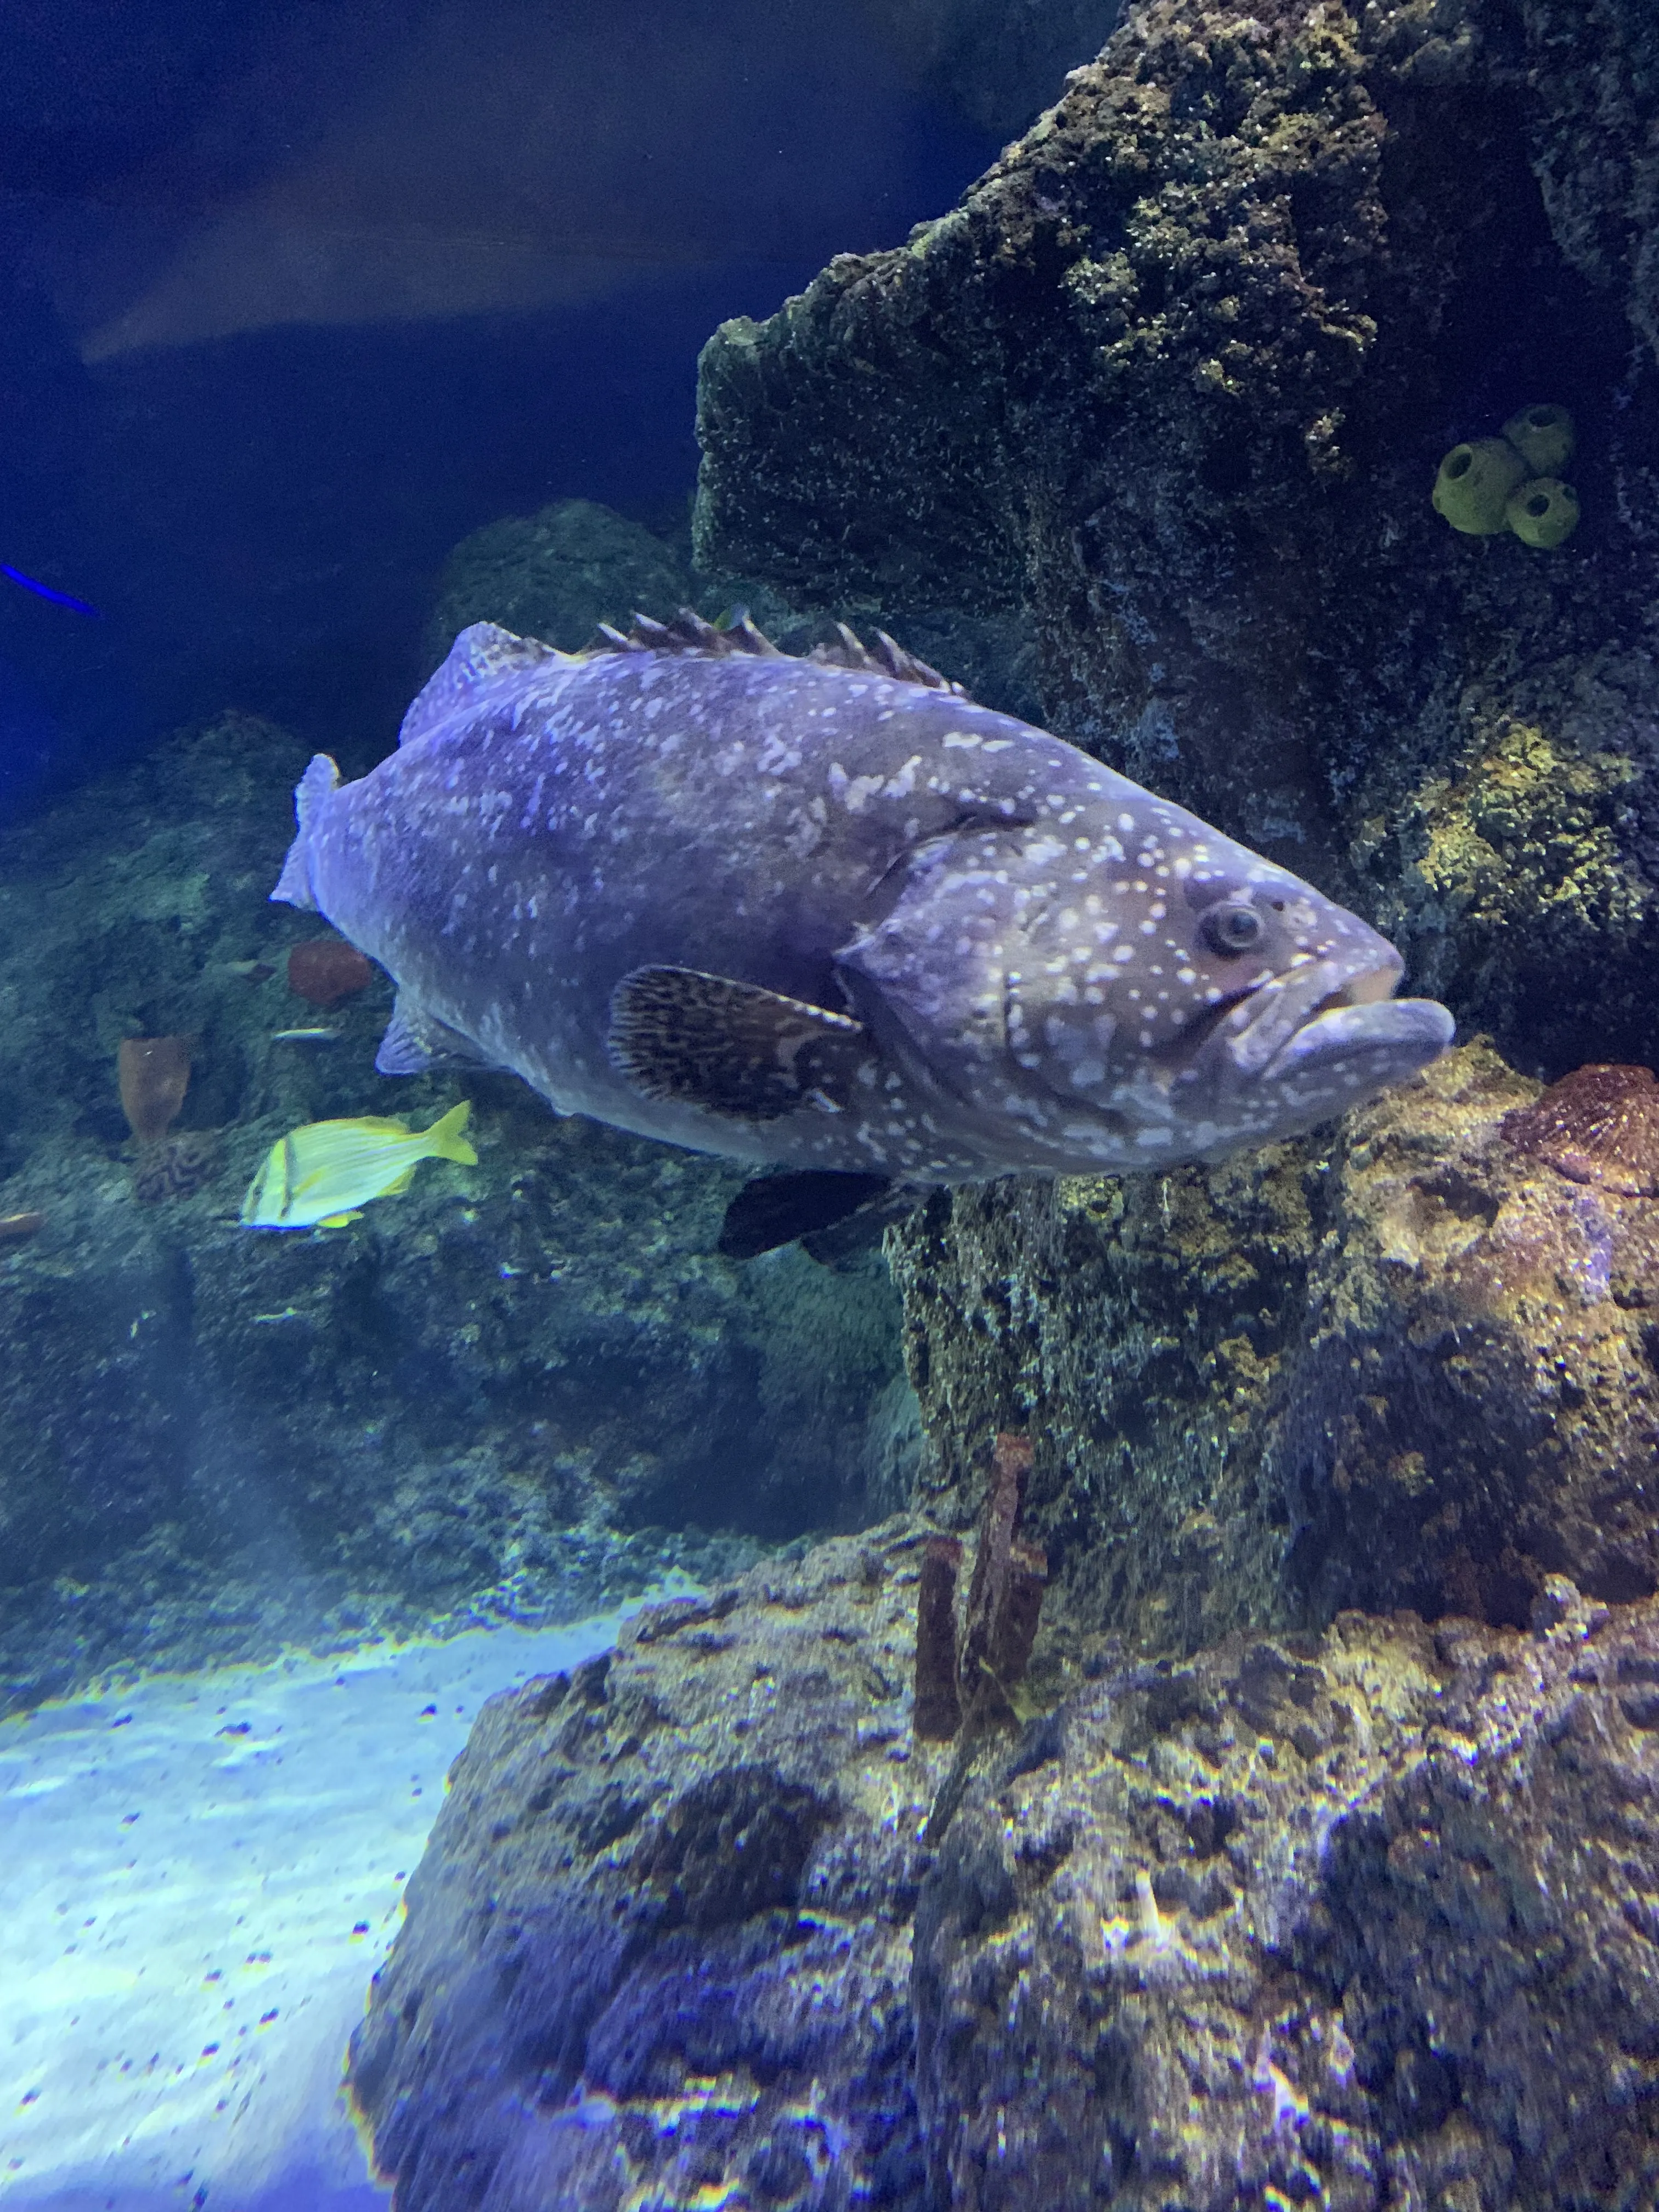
(690, 633)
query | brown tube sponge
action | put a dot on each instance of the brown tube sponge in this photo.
(1005, 1594)
(937, 1713)
(154, 1075)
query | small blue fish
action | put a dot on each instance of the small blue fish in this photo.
(46, 592)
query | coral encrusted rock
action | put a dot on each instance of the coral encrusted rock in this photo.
(1361, 1919)
(1171, 384)
(1364, 1921)
(1413, 1360)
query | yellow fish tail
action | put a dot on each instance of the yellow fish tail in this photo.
(444, 1141)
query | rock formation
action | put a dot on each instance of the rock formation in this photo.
(1405, 1361)
(1362, 1919)
(1174, 380)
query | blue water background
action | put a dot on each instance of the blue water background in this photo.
(261, 517)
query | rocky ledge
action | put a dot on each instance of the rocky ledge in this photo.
(1365, 1917)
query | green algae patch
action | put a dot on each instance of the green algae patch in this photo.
(1528, 835)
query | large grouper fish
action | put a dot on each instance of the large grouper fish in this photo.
(828, 915)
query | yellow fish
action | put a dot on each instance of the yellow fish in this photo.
(325, 1173)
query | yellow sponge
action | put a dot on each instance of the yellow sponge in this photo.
(1544, 512)
(1472, 488)
(1544, 437)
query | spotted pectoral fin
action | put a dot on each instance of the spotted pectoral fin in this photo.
(415, 1040)
(776, 1209)
(730, 1048)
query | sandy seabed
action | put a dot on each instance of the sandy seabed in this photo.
(198, 1875)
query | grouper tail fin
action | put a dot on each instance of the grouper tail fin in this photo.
(320, 779)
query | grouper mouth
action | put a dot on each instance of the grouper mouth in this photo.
(1329, 1018)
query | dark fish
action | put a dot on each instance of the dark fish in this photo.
(828, 915)
(46, 592)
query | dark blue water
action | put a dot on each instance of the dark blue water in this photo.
(260, 512)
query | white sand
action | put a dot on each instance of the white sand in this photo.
(198, 1878)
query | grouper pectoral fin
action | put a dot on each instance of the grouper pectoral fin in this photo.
(482, 651)
(732, 1049)
(776, 1209)
(415, 1040)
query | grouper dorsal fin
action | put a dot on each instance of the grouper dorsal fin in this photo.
(886, 656)
(732, 1049)
(480, 652)
(687, 632)
(690, 633)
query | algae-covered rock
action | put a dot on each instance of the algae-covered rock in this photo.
(1137, 1329)
(1521, 878)
(1354, 1922)
(1312, 1921)
(515, 1388)
(554, 575)
(1409, 1365)
(1171, 380)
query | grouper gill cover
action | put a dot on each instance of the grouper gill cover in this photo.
(828, 913)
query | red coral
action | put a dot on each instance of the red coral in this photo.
(1599, 1125)
(324, 968)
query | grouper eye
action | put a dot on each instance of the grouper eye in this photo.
(1230, 930)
